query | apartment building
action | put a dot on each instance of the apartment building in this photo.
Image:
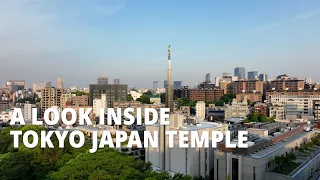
(247, 86)
(50, 97)
(226, 86)
(27, 111)
(237, 109)
(284, 82)
(225, 78)
(80, 100)
(201, 110)
(183, 92)
(292, 105)
(252, 97)
(206, 94)
(65, 98)
(99, 103)
(261, 108)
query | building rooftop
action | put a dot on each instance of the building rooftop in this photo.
(203, 125)
(270, 149)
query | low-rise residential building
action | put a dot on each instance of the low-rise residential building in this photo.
(80, 100)
(261, 109)
(135, 95)
(237, 109)
(155, 99)
(65, 98)
(215, 113)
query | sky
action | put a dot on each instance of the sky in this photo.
(80, 40)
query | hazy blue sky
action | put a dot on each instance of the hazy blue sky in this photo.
(80, 40)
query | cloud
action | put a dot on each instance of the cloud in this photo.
(297, 17)
(110, 9)
(306, 15)
(267, 27)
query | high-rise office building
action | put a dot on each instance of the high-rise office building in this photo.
(226, 74)
(102, 80)
(177, 84)
(240, 72)
(16, 85)
(34, 87)
(114, 92)
(252, 74)
(116, 81)
(208, 78)
(263, 77)
(43, 85)
(59, 83)
(165, 84)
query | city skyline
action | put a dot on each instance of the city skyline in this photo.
(61, 40)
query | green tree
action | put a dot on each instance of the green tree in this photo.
(163, 97)
(129, 97)
(262, 118)
(254, 118)
(79, 93)
(145, 99)
(227, 98)
(149, 93)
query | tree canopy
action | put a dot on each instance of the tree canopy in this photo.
(79, 93)
(70, 163)
(258, 118)
(129, 97)
(227, 98)
(145, 99)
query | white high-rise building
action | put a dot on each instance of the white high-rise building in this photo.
(99, 103)
(201, 110)
(308, 80)
(27, 112)
(59, 83)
